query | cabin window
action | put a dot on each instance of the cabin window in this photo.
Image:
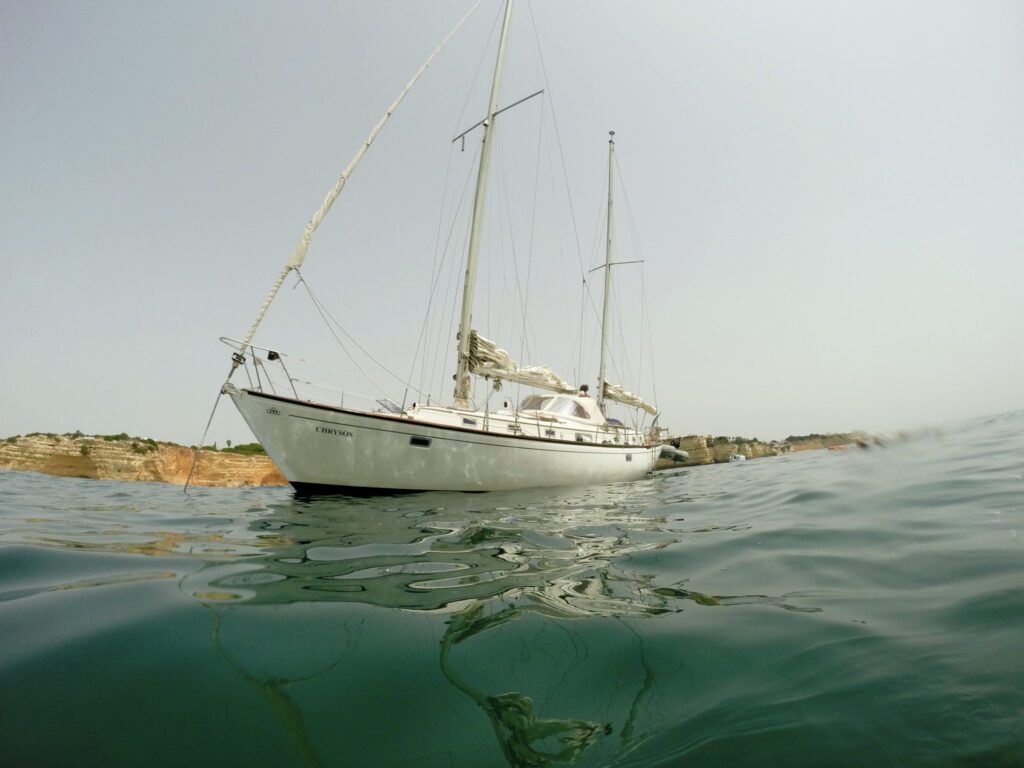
(419, 442)
(469, 422)
(629, 457)
(535, 403)
(549, 432)
(565, 406)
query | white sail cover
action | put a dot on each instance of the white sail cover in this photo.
(488, 360)
(618, 394)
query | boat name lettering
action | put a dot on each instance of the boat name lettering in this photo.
(332, 431)
(273, 411)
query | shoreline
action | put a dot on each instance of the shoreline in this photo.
(113, 457)
(709, 449)
(135, 459)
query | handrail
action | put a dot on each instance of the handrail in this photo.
(235, 343)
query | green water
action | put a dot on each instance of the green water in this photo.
(824, 609)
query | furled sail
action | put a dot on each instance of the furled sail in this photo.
(618, 394)
(488, 360)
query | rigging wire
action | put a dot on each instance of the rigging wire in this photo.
(440, 257)
(561, 154)
(524, 342)
(522, 294)
(438, 261)
(479, 68)
(429, 371)
(433, 318)
(199, 446)
(645, 309)
(329, 319)
(600, 219)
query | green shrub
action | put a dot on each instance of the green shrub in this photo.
(247, 449)
(801, 438)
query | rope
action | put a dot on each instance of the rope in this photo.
(199, 447)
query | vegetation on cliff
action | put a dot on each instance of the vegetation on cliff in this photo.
(146, 444)
(718, 449)
(245, 449)
(124, 457)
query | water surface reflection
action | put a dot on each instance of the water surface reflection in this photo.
(481, 564)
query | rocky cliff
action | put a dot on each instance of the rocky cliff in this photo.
(146, 460)
(703, 449)
(707, 449)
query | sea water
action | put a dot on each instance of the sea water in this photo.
(830, 608)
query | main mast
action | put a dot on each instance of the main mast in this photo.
(462, 373)
(607, 273)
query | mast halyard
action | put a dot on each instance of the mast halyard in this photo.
(462, 380)
(607, 275)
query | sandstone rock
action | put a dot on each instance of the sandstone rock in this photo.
(704, 450)
(93, 457)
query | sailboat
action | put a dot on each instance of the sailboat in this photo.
(559, 438)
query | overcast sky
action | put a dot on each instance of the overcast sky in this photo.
(828, 198)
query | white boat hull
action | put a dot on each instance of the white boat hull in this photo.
(320, 448)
